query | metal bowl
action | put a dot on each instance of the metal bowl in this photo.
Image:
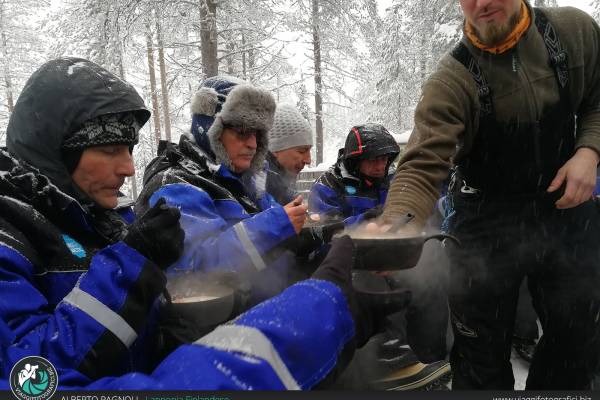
(205, 303)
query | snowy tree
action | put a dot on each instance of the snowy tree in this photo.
(152, 93)
(595, 4)
(166, 48)
(248, 45)
(93, 29)
(205, 38)
(164, 90)
(302, 103)
(336, 43)
(208, 36)
(415, 37)
(21, 51)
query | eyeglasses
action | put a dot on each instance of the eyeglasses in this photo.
(242, 131)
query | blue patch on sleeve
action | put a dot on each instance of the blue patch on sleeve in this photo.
(76, 248)
(350, 190)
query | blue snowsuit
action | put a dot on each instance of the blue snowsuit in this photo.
(231, 223)
(74, 293)
(338, 193)
(90, 310)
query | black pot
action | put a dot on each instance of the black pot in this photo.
(389, 254)
(206, 308)
(376, 290)
(202, 299)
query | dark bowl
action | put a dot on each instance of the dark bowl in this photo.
(389, 254)
(377, 291)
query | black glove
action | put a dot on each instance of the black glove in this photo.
(174, 330)
(337, 266)
(373, 212)
(313, 237)
(308, 240)
(157, 234)
(368, 309)
(378, 297)
(331, 229)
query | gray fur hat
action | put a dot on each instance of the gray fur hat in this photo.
(241, 105)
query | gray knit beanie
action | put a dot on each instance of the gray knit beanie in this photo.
(290, 129)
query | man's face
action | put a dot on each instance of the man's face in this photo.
(374, 168)
(493, 20)
(102, 171)
(240, 145)
(294, 159)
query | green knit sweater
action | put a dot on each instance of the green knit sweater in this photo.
(523, 85)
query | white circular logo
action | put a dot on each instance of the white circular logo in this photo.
(33, 378)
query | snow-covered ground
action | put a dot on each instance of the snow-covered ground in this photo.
(520, 370)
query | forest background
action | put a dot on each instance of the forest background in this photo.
(340, 62)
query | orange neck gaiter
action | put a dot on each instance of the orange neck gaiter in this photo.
(510, 41)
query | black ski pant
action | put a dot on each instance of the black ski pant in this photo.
(425, 322)
(526, 327)
(559, 252)
(422, 325)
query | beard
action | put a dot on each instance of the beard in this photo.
(492, 35)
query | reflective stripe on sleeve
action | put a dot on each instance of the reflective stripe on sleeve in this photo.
(242, 234)
(102, 314)
(252, 342)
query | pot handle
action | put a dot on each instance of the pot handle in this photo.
(401, 221)
(443, 236)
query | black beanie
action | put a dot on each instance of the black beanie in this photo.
(111, 129)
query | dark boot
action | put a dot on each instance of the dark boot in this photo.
(524, 348)
(419, 376)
